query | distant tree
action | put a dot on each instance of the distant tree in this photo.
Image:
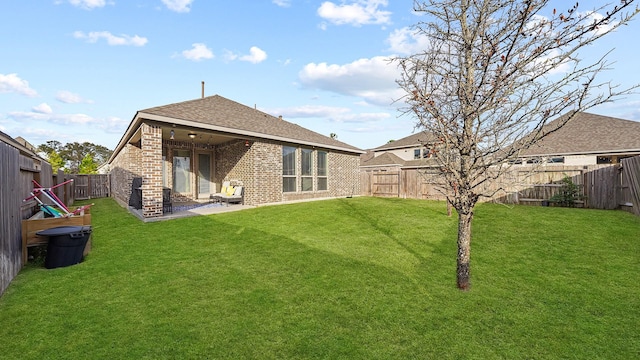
(49, 146)
(88, 165)
(56, 161)
(493, 75)
(72, 154)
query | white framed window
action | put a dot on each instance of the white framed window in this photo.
(288, 169)
(322, 170)
(306, 171)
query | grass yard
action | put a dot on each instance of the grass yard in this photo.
(361, 278)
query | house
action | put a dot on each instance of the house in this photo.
(402, 168)
(412, 147)
(412, 151)
(588, 139)
(192, 147)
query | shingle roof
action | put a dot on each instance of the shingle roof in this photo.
(224, 113)
(384, 159)
(589, 133)
(417, 139)
(391, 159)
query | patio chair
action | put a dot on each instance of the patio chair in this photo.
(236, 197)
(223, 191)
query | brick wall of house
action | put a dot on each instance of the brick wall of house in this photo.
(123, 169)
(344, 174)
(151, 170)
(258, 167)
(267, 168)
(233, 162)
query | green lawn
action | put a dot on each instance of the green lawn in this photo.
(361, 278)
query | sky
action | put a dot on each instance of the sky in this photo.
(78, 70)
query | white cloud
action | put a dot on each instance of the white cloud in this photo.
(360, 12)
(43, 108)
(181, 6)
(406, 41)
(256, 55)
(331, 113)
(198, 52)
(282, 3)
(307, 111)
(372, 79)
(88, 4)
(12, 83)
(68, 97)
(114, 40)
(63, 119)
(113, 125)
(229, 55)
(592, 17)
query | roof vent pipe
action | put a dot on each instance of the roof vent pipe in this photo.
(203, 89)
(280, 117)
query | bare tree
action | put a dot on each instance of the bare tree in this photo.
(494, 75)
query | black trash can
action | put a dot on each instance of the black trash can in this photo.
(66, 245)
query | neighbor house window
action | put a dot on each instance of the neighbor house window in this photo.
(322, 170)
(556, 160)
(288, 169)
(306, 179)
(604, 160)
(416, 154)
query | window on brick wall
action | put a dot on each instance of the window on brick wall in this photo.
(322, 170)
(306, 173)
(288, 169)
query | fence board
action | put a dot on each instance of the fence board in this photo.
(631, 184)
(90, 186)
(10, 201)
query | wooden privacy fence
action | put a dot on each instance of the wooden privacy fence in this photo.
(629, 195)
(19, 166)
(90, 186)
(602, 186)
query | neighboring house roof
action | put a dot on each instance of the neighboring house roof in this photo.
(220, 114)
(417, 139)
(386, 159)
(390, 159)
(21, 144)
(589, 134)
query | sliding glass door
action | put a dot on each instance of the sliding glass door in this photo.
(204, 175)
(182, 171)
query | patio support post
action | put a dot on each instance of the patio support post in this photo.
(151, 143)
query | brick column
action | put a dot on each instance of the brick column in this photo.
(151, 144)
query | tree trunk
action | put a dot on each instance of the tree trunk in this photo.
(464, 249)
